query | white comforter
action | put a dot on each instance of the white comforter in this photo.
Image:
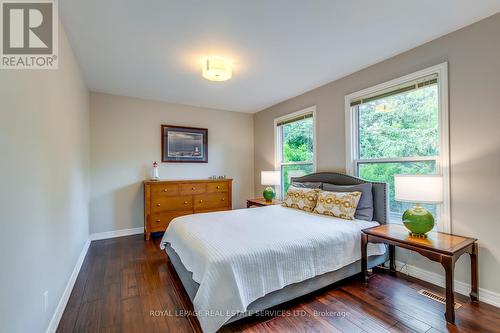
(241, 255)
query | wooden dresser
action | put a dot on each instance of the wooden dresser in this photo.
(167, 199)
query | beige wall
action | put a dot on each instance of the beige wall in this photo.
(44, 177)
(473, 55)
(125, 139)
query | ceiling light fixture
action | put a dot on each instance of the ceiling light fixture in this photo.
(216, 69)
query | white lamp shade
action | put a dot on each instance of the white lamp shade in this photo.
(419, 188)
(270, 178)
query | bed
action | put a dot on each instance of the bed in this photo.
(236, 263)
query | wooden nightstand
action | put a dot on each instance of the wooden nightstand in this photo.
(261, 202)
(438, 246)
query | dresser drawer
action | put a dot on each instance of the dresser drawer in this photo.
(211, 201)
(165, 200)
(160, 221)
(193, 188)
(168, 203)
(217, 187)
(164, 190)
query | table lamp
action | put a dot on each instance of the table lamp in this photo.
(418, 189)
(269, 178)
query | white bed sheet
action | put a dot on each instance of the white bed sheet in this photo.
(241, 255)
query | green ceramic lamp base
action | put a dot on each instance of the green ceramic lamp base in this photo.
(418, 221)
(269, 194)
(417, 235)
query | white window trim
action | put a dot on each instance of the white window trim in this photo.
(443, 163)
(277, 139)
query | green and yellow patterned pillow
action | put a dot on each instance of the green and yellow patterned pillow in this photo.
(339, 204)
(301, 198)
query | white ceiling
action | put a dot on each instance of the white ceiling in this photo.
(281, 48)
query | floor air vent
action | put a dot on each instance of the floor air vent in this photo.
(436, 297)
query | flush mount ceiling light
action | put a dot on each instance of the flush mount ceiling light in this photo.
(216, 69)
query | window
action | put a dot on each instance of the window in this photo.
(401, 127)
(295, 145)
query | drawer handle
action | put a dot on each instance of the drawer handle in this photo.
(193, 188)
(158, 205)
(158, 221)
(223, 199)
(201, 201)
(165, 190)
(218, 187)
(185, 202)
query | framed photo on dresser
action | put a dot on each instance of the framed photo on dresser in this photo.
(181, 144)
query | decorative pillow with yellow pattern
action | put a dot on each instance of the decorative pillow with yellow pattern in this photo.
(301, 198)
(339, 204)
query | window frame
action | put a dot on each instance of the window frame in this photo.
(442, 161)
(278, 149)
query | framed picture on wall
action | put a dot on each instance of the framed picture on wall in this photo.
(184, 144)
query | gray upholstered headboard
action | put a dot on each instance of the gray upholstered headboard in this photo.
(379, 190)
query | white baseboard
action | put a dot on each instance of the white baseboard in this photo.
(63, 301)
(486, 296)
(116, 233)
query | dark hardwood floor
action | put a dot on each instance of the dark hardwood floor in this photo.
(127, 285)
